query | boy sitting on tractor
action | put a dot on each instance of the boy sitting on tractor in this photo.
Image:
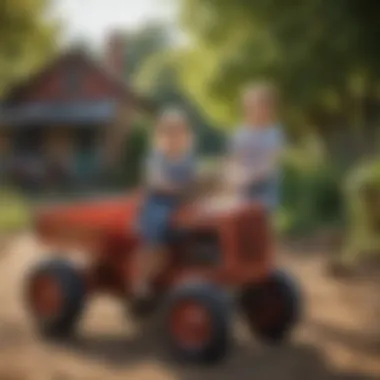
(169, 173)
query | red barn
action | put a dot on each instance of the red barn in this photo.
(60, 126)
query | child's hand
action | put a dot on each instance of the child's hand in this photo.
(235, 177)
(168, 188)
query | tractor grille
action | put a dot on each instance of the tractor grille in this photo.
(251, 236)
(201, 249)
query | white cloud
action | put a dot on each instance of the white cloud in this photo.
(90, 20)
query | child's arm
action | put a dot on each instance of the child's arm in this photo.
(233, 173)
(267, 168)
(230, 165)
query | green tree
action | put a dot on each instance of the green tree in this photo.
(322, 54)
(27, 38)
(142, 44)
(158, 75)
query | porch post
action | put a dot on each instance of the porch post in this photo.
(116, 134)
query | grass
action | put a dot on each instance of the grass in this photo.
(14, 211)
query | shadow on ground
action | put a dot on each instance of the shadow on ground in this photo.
(366, 342)
(246, 361)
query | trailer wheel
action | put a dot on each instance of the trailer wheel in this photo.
(272, 308)
(197, 323)
(55, 296)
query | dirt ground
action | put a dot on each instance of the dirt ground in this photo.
(339, 337)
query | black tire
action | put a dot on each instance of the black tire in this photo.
(257, 300)
(73, 292)
(215, 301)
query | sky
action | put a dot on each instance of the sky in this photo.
(90, 20)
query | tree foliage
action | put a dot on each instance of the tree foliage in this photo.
(323, 55)
(142, 44)
(158, 74)
(27, 38)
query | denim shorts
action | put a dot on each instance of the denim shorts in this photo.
(155, 218)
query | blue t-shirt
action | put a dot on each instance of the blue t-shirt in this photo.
(253, 147)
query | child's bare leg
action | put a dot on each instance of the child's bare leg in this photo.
(140, 272)
(149, 262)
(159, 262)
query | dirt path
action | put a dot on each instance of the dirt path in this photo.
(337, 340)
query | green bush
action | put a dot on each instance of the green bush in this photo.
(14, 211)
(311, 198)
(362, 205)
(134, 153)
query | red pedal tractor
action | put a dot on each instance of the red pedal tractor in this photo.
(222, 254)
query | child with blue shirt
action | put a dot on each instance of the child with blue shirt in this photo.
(169, 173)
(256, 147)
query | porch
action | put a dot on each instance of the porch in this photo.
(57, 148)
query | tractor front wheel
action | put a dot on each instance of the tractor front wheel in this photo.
(55, 295)
(197, 323)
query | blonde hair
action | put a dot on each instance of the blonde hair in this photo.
(172, 119)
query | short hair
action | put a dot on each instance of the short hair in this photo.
(180, 119)
(173, 113)
(263, 89)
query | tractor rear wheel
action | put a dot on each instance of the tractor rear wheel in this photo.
(272, 308)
